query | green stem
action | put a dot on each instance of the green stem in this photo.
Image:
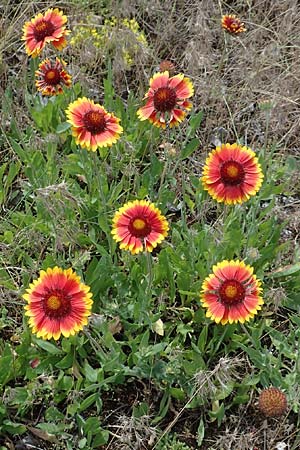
(248, 335)
(97, 170)
(163, 176)
(183, 208)
(253, 225)
(148, 294)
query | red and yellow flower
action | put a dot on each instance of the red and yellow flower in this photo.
(57, 303)
(44, 28)
(231, 293)
(232, 174)
(51, 77)
(232, 24)
(167, 100)
(92, 126)
(139, 225)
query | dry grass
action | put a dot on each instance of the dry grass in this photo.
(234, 76)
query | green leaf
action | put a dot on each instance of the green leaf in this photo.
(203, 338)
(12, 173)
(90, 373)
(6, 363)
(291, 163)
(66, 362)
(200, 432)
(62, 127)
(285, 271)
(18, 396)
(225, 391)
(195, 122)
(140, 410)
(177, 393)
(101, 438)
(87, 402)
(51, 428)
(82, 443)
(53, 414)
(48, 347)
(66, 383)
(22, 154)
(163, 408)
(8, 237)
(218, 412)
(13, 428)
(2, 171)
(92, 424)
(241, 399)
(190, 148)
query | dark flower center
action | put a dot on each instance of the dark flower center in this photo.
(231, 291)
(232, 173)
(234, 24)
(94, 122)
(43, 29)
(164, 99)
(139, 227)
(52, 77)
(57, 304)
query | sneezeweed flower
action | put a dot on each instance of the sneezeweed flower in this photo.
(52, 76)
(272, 402)
(139, 225)
(231, 293)
(57, 303)
(232, 24)
(167, 100)
(44, 28)
(92, 126)
(232, 174)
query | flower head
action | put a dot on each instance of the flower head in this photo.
(231, 293)
(165, 64)
(92, 125)
(138, 225)
(167, 100)
(51, 77)
(43, 28)
(232, 24)
(57, 303)
(232, 174)
(272, 402)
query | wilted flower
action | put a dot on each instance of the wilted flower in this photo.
(272, 402)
